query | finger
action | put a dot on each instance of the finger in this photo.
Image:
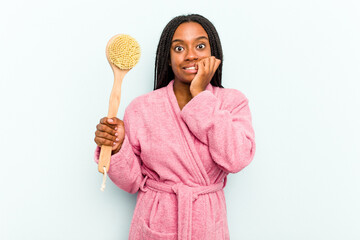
(200, 66)
(116, 146)
(103, 141)
(207, 65)
(107, 136)
(115, 121)
(104, 121)
(212, 64)
(106, 128)
(217, 64)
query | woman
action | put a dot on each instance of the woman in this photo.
(177, 143)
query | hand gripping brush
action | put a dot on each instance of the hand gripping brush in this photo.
(123, 53)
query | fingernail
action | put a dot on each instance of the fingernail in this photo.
(114, 143)
(115, 128)
(110, 120)
(116, 134)
(117, 139)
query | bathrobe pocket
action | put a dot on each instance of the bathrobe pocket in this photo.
(149, 234)
(158, 222)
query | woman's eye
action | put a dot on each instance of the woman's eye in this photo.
(201, 46)
(178, 48)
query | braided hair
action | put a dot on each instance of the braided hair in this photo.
(163, 71)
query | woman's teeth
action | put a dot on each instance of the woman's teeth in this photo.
(190, 68)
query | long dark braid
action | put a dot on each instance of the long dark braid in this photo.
(163, 71)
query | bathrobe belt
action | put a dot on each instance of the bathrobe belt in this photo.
(185, 196)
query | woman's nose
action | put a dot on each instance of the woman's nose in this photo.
(191, 55)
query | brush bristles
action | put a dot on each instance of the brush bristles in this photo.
(124, 52)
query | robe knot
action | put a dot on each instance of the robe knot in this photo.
(185, 195)
(142, 184)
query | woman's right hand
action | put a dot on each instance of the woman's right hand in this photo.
(110, 132)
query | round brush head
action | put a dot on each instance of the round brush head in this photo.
(123, 51)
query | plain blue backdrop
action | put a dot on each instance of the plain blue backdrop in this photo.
(296, 61)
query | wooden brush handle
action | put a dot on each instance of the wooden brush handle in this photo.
(115, 96)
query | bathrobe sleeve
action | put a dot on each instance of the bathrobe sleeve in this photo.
(125, 165)
(224, 125)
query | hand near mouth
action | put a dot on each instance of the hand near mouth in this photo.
(206, 68)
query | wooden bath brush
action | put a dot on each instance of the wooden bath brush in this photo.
(123, 53)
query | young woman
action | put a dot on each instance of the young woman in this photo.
(177, 144)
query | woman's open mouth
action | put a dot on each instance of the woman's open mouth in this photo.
(191, 69)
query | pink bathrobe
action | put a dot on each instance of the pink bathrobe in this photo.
(178, 160)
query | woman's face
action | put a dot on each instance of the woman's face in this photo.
(189, 45)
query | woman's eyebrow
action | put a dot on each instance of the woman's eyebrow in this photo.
(198, 38)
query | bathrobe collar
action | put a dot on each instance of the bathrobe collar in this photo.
(199, 171)
(171, 94)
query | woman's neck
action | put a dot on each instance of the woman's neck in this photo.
(182, 93)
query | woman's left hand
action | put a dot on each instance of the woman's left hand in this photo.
(206, 69)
